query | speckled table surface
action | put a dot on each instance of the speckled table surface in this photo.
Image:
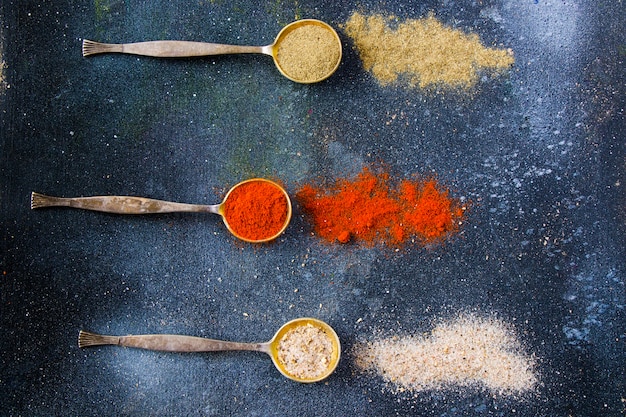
(539, 152)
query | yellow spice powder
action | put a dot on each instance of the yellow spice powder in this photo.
(464, 352)
(308, 53)
(305, 352)
(422, 52)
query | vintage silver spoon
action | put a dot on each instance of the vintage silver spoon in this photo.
(320, 363)
(141, 205)
(329, 58)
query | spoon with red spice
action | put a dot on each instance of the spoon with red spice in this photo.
(256, 210)
(304, 349)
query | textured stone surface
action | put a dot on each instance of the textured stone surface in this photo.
(538, 152)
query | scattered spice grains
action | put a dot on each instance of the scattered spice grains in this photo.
(467, 351)
(369, 210)
(256, 210)
(308, 53)
(422, 52)
(305, 351)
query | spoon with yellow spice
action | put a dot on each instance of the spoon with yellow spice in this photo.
(304, 350)
(305, 51)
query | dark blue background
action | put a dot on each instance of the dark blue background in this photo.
(538, 152)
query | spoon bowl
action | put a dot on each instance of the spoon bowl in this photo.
(318, 346)
(313, 50)
(256, 210)
(274, 211)
(324, 359)
(297, 38)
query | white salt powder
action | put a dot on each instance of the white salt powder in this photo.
(467, 351)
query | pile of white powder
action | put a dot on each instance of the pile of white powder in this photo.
(467, 351)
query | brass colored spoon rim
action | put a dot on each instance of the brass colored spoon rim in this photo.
(294, 25)
(220, 211)
(303, 321)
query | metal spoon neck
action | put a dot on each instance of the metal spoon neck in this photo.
(268, 49)
(213, 208)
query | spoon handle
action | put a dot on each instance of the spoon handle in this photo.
(166, 342)
(120, 204)
(168, 49)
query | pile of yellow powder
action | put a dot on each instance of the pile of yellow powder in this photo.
(466, 352)
(422, 52)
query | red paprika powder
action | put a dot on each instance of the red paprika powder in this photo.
(368, 209)
(257, 210)
(427, 212)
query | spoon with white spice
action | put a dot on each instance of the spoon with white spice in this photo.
(305, 349)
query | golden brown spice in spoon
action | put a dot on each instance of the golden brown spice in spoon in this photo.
(305, 51)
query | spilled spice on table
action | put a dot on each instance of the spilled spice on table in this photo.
(464, 352)
(372, 209)
(422, 52)
(256, 210)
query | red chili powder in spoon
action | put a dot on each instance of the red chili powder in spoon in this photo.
(256, 210)
(369, 209)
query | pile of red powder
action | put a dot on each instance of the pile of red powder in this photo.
(369, 209)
